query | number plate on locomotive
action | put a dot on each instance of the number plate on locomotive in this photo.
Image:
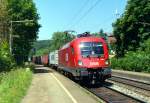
(94, 63)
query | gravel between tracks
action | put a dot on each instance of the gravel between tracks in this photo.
(126, 90)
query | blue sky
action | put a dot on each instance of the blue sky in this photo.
(78, 15)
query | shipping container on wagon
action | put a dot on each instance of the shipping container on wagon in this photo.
(38, 60)
(45, 60)
(53, 58)
(33, 59)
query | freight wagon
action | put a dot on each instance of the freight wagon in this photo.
(45, 60)
(53, 59)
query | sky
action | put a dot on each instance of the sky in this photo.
(77, 15)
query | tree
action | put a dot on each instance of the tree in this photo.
(41, 47)
(4, 27)
(59, 39)
(6, 60)
(27, 32)
(101, 34)
(132, 28)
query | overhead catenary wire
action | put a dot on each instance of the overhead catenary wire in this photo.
(87, 12)
(79, 12)
(105, 21)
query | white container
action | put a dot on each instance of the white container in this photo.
(53, 58)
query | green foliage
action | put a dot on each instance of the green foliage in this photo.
(139, 62)
(13, 85)
(41, 47)
(4, 19)
(134, 61)
(31, 66)
(21, 10)
(133, 27)
(145, 46)
(101, 34)
(41, 44)
(42, 51)
(59, 39)
(6, 60)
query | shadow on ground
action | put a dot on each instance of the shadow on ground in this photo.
(38, 66)
(41, 69)
(97, 85)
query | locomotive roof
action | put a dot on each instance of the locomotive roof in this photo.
(93, 38)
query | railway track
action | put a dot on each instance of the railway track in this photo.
(110, 95)
(131, 82)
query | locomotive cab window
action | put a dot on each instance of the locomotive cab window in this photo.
(91, 49)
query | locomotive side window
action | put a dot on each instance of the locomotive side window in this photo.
(91, 49)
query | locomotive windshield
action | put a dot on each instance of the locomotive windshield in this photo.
(91, 49)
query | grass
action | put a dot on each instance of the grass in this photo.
(14, 84)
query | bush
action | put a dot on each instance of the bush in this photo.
(133, 61)
(6, 59)
(29, 65)
(13, 85)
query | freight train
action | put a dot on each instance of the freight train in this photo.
(85, 57)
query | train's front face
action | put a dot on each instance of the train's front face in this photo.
(93, 57)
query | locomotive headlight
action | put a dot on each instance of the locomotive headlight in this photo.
(80, 63)
(107, 62)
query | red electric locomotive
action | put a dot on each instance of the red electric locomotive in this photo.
(86, 57)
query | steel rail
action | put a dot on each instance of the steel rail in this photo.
(131, 82)
(110, 95)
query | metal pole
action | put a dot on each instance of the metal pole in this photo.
(10, 38)
(11, 31)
